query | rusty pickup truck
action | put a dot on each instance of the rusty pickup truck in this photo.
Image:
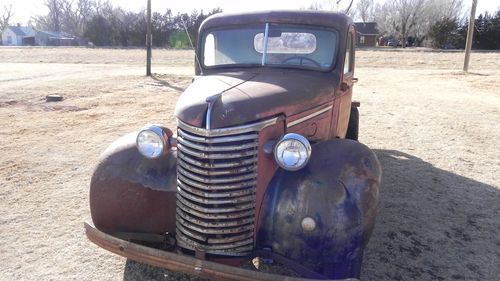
(264, 162)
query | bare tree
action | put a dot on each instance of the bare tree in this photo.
(384, 17)
(104, 7)
(403, 18)
(51, 21)
(347, 10)
(435, 11)
(76, 14)
(343, 6)
(55, 13)
(85, 10)
(365, 10)
(400, 17)
(67, 15)
(6, 16)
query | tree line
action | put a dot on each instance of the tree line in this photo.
(440, 23)
(105, 25)
(452, 33)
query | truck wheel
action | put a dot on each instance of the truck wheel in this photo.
(353, 127)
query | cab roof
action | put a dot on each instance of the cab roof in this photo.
(338, 21)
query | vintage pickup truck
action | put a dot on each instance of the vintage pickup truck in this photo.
(265, 161)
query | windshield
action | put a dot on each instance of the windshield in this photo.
(271, 45)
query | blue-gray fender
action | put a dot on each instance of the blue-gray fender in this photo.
(337, 194)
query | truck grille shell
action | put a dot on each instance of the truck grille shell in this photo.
(216, 186)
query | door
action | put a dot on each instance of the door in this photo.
(344, 97)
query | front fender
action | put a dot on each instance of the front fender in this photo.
(130, 193)
(338, 189)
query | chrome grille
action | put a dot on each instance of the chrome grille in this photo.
(216, 184)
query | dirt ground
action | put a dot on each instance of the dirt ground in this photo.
(435, 130)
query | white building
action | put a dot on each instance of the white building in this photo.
(18, 36)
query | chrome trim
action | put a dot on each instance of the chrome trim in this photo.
(228, 172)
(192, 219)
(195, 227)
(173, 141)
(231, 239)
(210, 100)
(190, 144)
(234, 164)
(214, 156)
(264, 51)
(236, 215)
(243, 192)
(305, 118)
(216, 186)
(195, 198)
(216, 210)
(215, 180)
(190, 233)
(229, 130)
(299, 138)
(190, 137)
(219, 246)
(241, 251)
(157, 130)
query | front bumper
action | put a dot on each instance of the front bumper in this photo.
(180, 263)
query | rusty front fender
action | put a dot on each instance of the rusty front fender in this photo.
(337, 193)
(130, 193)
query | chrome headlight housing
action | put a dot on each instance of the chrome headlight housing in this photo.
(152, 141)
(292, 152)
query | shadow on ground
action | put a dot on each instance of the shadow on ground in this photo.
(432, 225)
(161, 79)
(135, 271)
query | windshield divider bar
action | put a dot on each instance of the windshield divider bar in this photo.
(266, 35)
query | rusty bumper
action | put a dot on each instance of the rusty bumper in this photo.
(179, 263)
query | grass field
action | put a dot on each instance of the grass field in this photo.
(435, 129)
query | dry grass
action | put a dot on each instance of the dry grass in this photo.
(435, 130)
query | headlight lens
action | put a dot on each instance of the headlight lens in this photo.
(151, 141)
(292, 152)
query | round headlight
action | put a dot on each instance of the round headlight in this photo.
(151, 142)
(292, 152)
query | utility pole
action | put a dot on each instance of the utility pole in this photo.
(470, 35)
(149, 39)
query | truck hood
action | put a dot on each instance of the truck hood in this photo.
(245, 97)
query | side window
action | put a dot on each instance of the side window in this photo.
(348, 54)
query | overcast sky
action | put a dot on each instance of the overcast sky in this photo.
(24, 9)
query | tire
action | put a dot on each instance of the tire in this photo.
(353, 127)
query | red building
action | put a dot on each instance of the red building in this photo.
(367, 34)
